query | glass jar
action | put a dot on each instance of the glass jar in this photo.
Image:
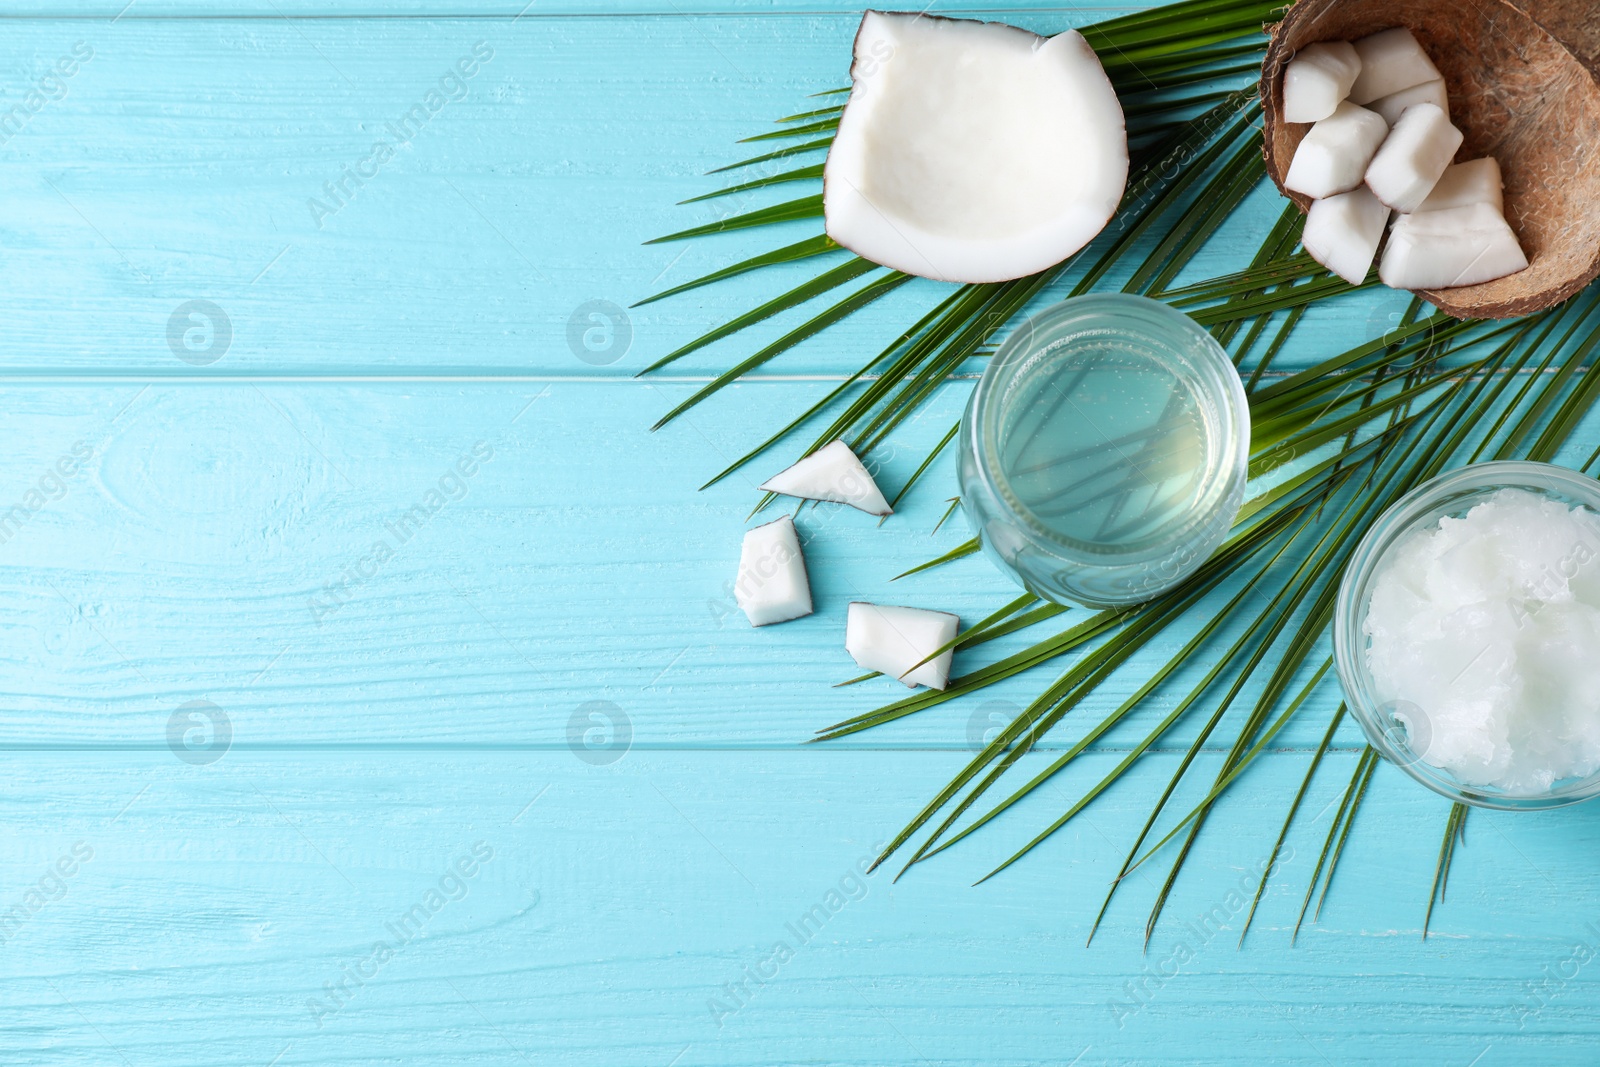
(1392, 727)
(1103, 454)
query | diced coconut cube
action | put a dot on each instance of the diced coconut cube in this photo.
(1390, 61)
(894, 640)
(1317, 79)
(1455, 246)
(1342, 232)
(1474, 182)
(1391, 107)
(1413, 157)
(772, 585)
(831, 473)
(1334, 155)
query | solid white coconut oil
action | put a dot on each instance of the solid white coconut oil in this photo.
(1485, 641)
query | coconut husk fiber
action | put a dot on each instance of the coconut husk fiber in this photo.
(1516, 93)
(1575, 23)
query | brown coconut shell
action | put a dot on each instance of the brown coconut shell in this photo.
(1517, 93)
(1575, 23)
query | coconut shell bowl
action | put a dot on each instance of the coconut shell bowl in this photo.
(1523, 86)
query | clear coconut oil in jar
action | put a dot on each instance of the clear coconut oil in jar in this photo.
(1103, 453)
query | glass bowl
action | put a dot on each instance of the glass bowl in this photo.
(1089, 379)
(1386, 724)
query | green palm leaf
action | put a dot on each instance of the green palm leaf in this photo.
(873, 290)
(818, 126)
(780, 153)
(1455, 832)
(798, 174)
(805, 207)
(1333, 445)
(806, 249)
(843, 274)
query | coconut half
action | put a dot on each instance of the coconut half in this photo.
(1528, 97)
(972, 151)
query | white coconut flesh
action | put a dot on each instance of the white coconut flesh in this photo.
(972, 151)
(1319, 76)
(833, 473)
(1390, 61)
(1456, 246)
(1342, 232)
(1413, 157)
(1475, 182)
(1334, 155)
(772, 584)
(1394, 105)
(894, 641)
(1358, 163)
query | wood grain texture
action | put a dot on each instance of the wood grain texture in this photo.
(621, 901)
(256, 546)
(508, 10)
(473, 248)
(448, 698)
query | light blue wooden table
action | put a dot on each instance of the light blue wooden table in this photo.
(519, 787)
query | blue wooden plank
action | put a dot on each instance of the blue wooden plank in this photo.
(361, 756)
(222, 542)
(622, 902)
(482, 246)
(518, 10)
(274, 548)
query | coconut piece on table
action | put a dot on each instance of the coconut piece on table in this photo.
(1391, 107)
(1476, 181)
(1333, 156)
(1390, 61)
(772, 585)
(833, 473)
(894, 641)
(972, 151)
(1342, 232)
(1454, 246)
(1317, 79)
(1413, 157)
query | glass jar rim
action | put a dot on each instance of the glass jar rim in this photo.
(1473, 483)
(1208, 363)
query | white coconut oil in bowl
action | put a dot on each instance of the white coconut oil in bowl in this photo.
(1467, 635)
(1103, 453)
